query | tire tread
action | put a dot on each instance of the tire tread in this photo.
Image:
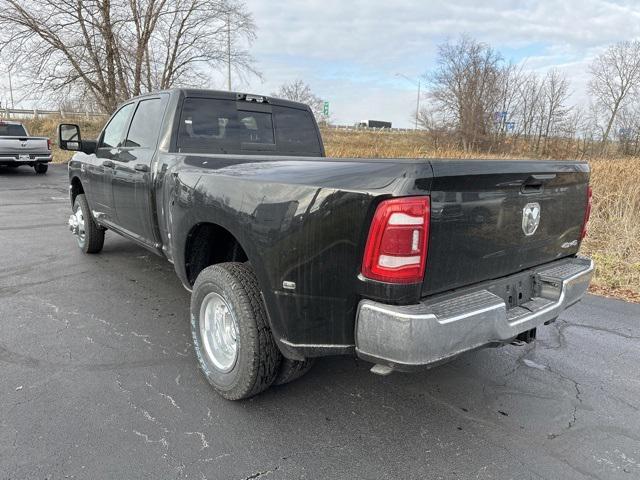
(291, 370)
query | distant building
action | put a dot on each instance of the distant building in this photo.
(373, 124)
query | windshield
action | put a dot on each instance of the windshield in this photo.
(12, 130)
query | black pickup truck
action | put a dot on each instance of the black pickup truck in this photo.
(290, 255)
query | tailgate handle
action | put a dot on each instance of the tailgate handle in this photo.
(531, 188)
(535, 183)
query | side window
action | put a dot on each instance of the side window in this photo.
(145, 126)
(114, 133)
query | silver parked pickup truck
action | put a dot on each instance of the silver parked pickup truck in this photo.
(18, 148)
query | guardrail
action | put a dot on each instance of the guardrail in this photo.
(8, 113)
(36, 112)
(349, 128)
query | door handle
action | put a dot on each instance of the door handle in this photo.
(107, 164)
(141, 167)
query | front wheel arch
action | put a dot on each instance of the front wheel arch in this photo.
(75, 189)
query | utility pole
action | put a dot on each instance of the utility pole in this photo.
(229, 50)
(418, 100)
(418, 105)
(11, 90)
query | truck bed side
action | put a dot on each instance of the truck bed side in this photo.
(301, 220)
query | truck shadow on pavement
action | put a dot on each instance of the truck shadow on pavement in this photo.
(20, 171)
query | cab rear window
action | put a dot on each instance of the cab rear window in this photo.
(12, 130)
(225, 126)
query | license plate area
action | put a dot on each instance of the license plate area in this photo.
(515, 290)
(23, 158)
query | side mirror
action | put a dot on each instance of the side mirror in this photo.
(69, 137)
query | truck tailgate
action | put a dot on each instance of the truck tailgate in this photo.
(23, 145)
(477, 231)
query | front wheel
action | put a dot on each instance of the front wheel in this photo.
(41, 168)
(231, 335)
(89, 235)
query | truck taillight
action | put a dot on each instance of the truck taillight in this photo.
(49, 143)
(587, 213)
(396, 249)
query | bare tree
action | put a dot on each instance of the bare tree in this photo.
(554, 111)
(530, 93)
(627, 129)
(615, 77)
(110, 50)
(299, 91)
(466, 86)
(509, 100)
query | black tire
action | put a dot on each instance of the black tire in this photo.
(258, 358)
(94, 235)
(291, 370)
(41, 168)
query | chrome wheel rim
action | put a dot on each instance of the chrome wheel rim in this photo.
(76, 224)
(219, 332)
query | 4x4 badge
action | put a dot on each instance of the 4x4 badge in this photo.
(530, 218)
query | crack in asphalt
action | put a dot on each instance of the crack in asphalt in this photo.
(603, 330)
(16, 358)
(261, 473)
(32, 227)
(17, 288)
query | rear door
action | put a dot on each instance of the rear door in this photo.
(493, 218)
(132, 176)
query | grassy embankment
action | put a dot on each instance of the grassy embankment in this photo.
(614, 229)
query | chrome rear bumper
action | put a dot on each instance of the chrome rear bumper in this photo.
(32, 159)
(444, 326)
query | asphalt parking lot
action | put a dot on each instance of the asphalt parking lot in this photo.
(99, 380)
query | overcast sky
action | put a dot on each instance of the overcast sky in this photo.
(349, 51)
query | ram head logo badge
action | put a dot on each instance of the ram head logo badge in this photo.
(530, 218)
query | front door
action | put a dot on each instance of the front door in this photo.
(100, 168)
(132, 176)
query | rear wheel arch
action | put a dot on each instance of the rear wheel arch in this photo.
(208, 244)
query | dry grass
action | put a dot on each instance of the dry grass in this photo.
(614, 229)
